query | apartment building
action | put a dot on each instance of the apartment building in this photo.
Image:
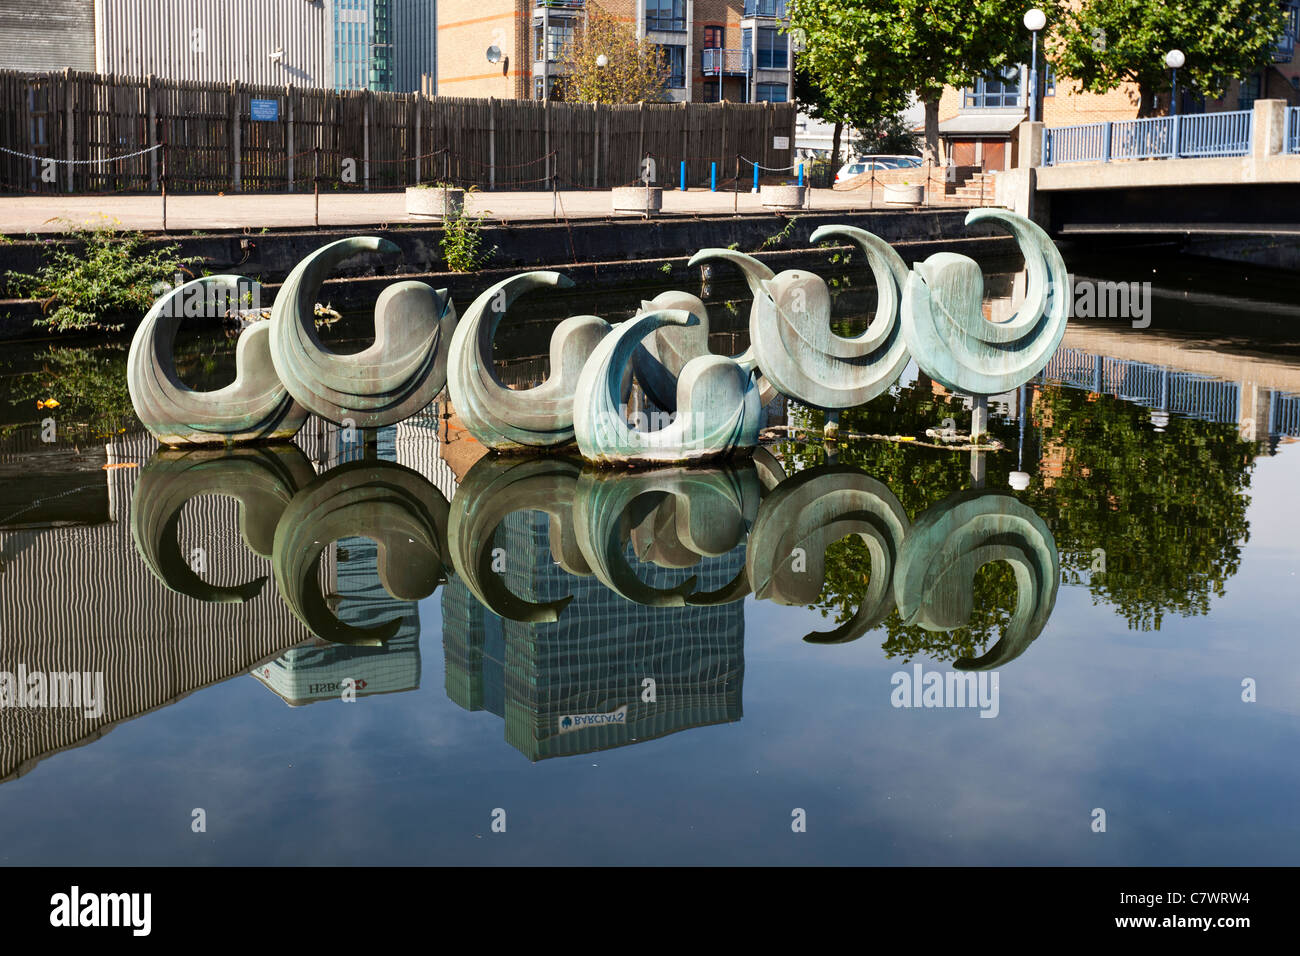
(977, 124)
(716, 49)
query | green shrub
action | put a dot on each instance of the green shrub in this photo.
(99, 278)
(462, 242)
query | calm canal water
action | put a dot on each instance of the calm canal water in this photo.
(616, 667)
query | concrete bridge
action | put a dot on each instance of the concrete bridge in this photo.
(1212, 175)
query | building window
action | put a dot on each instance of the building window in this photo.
(1049, 80)
(561, 35)
(675, 57)
(1249, 91)
(765, 8)
(771, 49)
(713, 38)
(772, 92)
(552, 82)
(665, 15)
(999, 92)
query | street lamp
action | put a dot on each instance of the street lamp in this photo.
(602, 61)
(1035, 20)
(1174, 59)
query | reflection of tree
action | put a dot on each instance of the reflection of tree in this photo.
(1168, 510)
(88, 383)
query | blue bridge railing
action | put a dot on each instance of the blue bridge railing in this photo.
(1293, 129)
(1160, 137)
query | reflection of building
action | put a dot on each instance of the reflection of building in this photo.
(75, 596)
(317, 669)
(577, 685)
(78, 598)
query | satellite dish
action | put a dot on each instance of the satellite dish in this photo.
(494, 54)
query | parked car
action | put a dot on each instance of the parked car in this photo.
(865, 164)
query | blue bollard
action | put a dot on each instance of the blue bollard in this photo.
(756, 177)
(683, 175)
(801, 174)
(713, 177)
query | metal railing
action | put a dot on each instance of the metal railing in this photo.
(725, 62)
(1161, 137)
(1293, 129)
(765, 8)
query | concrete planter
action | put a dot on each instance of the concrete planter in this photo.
(901, 194)
(781, 197)
(637, 200)
(433, 202)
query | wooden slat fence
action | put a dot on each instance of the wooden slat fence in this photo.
(110, 134)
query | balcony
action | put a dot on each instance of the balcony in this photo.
(1284, 46)
(557, 5)
(765, 8)
(716, 62)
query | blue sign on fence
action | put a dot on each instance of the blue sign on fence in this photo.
(264, 110)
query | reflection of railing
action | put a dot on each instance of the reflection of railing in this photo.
(1161, 137)
(1188, 394)
(725, 62)
(1293, 129)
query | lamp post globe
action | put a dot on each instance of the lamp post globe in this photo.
(1174, 59)
(1035, 20)
(602, 60)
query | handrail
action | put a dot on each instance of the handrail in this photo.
(716, 61)
(1159, 137)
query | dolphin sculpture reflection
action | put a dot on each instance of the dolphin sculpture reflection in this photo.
(501, 418)
(675, 517)
(944, 325)
(391, 380)
(262, 480)
(792, 341)
(718, 410)
(807, 513)
(493, 489)
(951, 541)
(662, 355)
(255, 407)
(392, 505)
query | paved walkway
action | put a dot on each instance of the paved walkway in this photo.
(187, 213)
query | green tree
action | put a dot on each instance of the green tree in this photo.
(634, 69)
(881, 50)
(828, 102)
(1105, 43)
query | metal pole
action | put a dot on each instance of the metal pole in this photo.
(546, 52)
(978, 427)
(1173, 99)
(1033, 82)
(316, 180)
(163, 182)
(735, 191)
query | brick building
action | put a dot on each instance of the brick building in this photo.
(716, 49)
(977, 124)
